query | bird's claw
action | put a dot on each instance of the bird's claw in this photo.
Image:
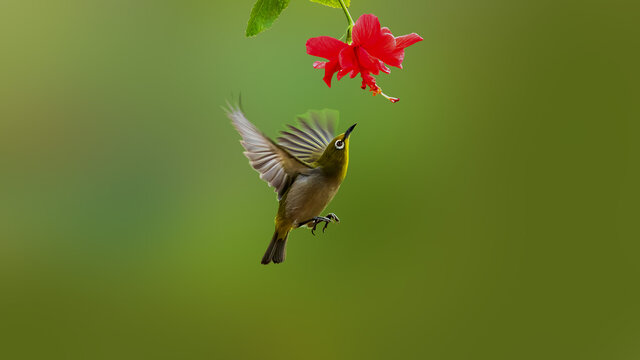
(325, 219)
(333, 216)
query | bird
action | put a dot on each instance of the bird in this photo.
(305, 166)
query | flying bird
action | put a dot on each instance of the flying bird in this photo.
(305, 166)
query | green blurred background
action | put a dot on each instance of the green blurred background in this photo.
(491, 214)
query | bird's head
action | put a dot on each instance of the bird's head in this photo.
(336, 156)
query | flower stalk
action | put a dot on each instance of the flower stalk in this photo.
(349, 20)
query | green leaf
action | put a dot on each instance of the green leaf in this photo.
(333, 3)
(263, 14)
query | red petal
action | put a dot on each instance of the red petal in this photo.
(367, 62)
(329, 69)
(391, 57)
(348, 60)
(407, 40)
(325, 47)
(366, 30)
(378, 42)
(319, 65)
(394, 58)
(342, 73)
(383, 68)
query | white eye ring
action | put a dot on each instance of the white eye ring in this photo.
(339, 144)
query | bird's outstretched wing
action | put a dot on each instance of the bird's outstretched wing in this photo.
(308, 142)
(275, 165)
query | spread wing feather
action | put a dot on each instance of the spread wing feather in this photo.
(308, 141)
(274, 163)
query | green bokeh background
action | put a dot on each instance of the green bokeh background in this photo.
(491, 214)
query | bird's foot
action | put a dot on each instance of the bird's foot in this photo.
(333, 217)
(322, 219)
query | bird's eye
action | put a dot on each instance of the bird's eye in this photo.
(339, 144)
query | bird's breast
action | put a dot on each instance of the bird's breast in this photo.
(308, 196)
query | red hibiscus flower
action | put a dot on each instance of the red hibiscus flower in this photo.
(371, 49)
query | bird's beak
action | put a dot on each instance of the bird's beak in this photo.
(349, 130)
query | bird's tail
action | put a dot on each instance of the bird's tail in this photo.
(277, 249)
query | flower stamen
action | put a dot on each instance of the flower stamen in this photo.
(375, 90)
(390, 98)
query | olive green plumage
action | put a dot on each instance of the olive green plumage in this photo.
(305, 166)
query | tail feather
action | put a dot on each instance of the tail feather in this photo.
(277, 249)
(280, 252)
